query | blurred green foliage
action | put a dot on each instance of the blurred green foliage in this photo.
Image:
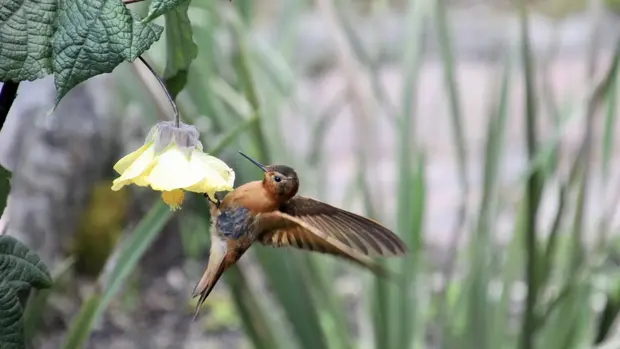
(546, 272)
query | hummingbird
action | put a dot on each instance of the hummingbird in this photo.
(271, 213)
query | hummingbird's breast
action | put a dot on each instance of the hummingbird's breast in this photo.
(235, 223)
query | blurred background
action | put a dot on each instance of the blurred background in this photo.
(482, 132)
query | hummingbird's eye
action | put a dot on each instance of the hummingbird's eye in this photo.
(277, 179)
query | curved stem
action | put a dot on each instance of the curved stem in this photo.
(177, 117)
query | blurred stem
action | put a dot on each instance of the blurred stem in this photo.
(452, 88)
(363, 101)
(596, 12)
(533, 184)
(610, 122)
(357, 47)
(480, 325)
(549, 97)
(608, 146)
(583, 161)
(325, 119)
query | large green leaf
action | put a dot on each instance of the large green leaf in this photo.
(93, 37)
(11, 324)
(26, 27)
(20, 269)
(73, 39)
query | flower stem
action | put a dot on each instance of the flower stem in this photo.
(177, 117)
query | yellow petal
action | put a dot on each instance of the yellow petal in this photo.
(142, 181)
(217, 175)
(124, 163)
(172, 170)
(142, 164)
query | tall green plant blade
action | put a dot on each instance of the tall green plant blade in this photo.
(533, 186)
(608, 130)
(580, 170)
(246, 10)
(129, 253)
(82, 324)
(332, 310)
(452, 89)
(285, 275)
(568, 326)
(608, 147)
(411, 220)
(395, 309)
(608, 315)
(516, 254)
(479, 322)
(552, 241)
(256, 322)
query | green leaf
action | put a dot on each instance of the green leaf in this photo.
(181, 49)
(160, 7)
(93, 37)
(25, 29)
(20, 269)
(11, 325)
(19, 265)
(176, 83)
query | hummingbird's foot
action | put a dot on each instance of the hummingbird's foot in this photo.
(216, 203)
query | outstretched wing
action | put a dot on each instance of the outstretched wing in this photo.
(312, 225)
(306, 220)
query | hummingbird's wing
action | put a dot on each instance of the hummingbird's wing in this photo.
(332, 224)
(307, 239)
(312, 225)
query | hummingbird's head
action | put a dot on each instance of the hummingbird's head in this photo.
(280, 180)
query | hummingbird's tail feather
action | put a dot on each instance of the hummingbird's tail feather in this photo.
(218, 263)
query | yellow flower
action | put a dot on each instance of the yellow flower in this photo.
(172, 161)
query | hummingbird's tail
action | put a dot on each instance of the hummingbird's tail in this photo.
(219, 261)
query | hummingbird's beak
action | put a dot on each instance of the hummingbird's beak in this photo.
(254, 162)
